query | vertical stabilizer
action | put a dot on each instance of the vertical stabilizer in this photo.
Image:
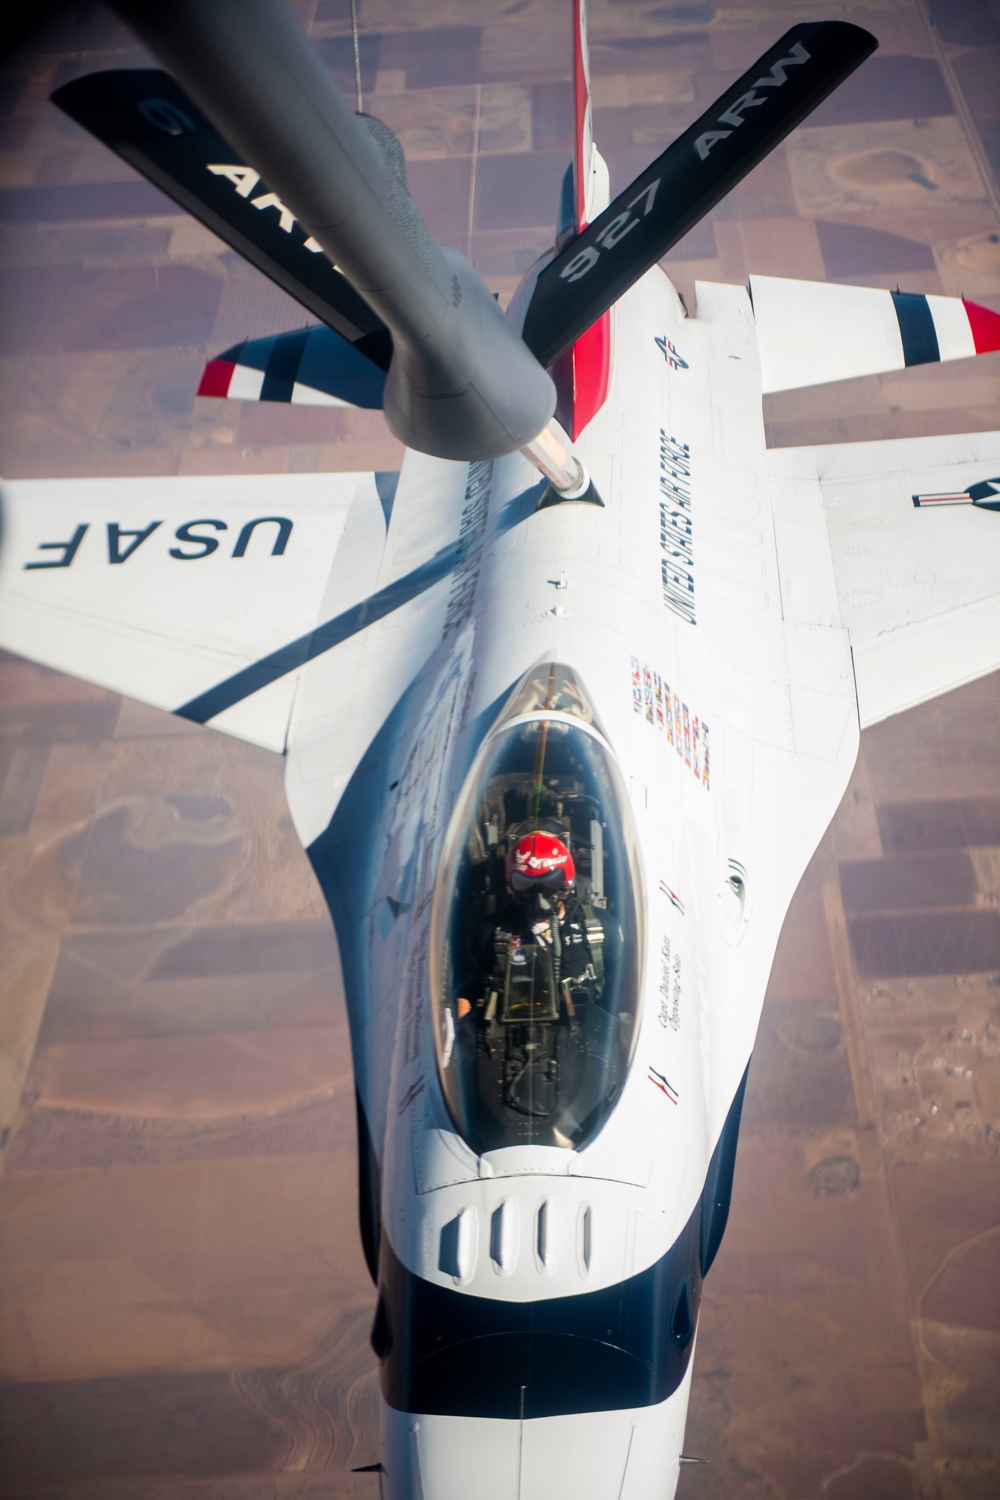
(583, 119)
(584, 373)
(591, 184)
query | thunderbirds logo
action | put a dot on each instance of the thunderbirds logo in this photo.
(669, 352)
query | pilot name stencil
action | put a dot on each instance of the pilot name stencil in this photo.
(465, 576)
(134, 537)
(677, 566)
(670, 987)
(653, 698)
(412, 998)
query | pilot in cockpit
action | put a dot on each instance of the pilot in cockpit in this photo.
(542, 918)
(541, 881)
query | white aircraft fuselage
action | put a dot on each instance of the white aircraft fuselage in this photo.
(538, 1300)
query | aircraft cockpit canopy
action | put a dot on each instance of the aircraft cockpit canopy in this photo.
(536, 930)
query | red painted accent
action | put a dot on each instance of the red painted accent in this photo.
(541, 860)
(985, 325)
(581, 103)
(583, 374)
(215, 380)
(591, 356)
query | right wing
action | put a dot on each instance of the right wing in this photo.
(916, 554)
(812, 332)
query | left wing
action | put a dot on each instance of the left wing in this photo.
(164, 588)
(915, 534)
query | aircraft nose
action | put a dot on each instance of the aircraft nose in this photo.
(610, 1455)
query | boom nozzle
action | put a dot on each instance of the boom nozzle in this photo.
(552, 456)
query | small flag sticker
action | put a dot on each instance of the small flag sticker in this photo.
(661, 1083)
(672, 897)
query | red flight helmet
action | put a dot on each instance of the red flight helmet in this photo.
(539, 862)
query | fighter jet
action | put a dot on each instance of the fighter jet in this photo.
(566, 705)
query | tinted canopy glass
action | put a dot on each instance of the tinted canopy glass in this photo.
(535, 942)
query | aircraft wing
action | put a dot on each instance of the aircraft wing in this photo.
(915, 533)
(814, 332)
(162, 588)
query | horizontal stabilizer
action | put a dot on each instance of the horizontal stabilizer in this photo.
(143, 116)
(310, 367)
(812, 332)
(688, 180)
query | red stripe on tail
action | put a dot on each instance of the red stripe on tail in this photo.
(582, 376)
(591, 356)
(581, 105)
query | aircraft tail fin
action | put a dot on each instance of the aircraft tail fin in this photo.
(591, 184)
(149, 121)
(599, 265)
(583, 373)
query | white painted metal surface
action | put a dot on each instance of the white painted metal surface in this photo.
(813, 332)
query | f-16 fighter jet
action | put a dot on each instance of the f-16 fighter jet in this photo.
(566, 705)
